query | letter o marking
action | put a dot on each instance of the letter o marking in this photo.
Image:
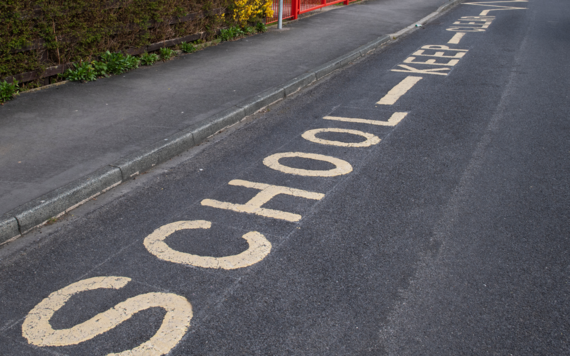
(341, 167)
(370, 138)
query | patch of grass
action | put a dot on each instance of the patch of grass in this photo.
(8, 91)
(148, 59)
(166, 53)
(231, 33)
(188, 47)
(260, 27)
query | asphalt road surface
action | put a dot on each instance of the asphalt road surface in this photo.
(416, 203)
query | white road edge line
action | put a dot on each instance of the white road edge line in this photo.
(399, 90)
(456, 38)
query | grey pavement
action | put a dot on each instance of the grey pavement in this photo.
(55, 136)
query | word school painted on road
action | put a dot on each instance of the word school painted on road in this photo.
(38, 330)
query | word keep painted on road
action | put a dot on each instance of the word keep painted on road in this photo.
(36, 327)
(440, 56)
(444, 58)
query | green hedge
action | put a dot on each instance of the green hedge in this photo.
(35, 34)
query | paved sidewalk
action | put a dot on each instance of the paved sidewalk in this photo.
(55, 136)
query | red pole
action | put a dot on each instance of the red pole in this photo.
(295, 9)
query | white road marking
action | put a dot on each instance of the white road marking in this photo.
(456, 38)
(258, 248)
(370, 139)
(341, 167)
(433, 71)
(38, 331)
(393, 121)
(497, 7)
(399, 90)
(431, 62)
(267, 192)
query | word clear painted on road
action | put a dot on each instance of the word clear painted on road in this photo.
(472, 24)
(443, 57)
(259, 247)
(38, 331)
(496, 7)
(267, 192)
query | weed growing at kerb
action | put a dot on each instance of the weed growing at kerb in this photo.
(229, 34)
(110, 63)
(260, 27)
(188, 47)
(166, 53)
(83, 71)
(148, 59)
(118, 63)
(8, 91)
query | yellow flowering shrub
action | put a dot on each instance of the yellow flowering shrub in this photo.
(248, 10)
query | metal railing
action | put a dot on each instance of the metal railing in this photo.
(293, 8)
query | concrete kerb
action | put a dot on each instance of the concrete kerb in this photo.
(335, 64)
(265, 98)
(371, 46)
(216, 123)
(152, 155)
(299, 83)
(59, 201)
(62, 200)
(8, 229)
